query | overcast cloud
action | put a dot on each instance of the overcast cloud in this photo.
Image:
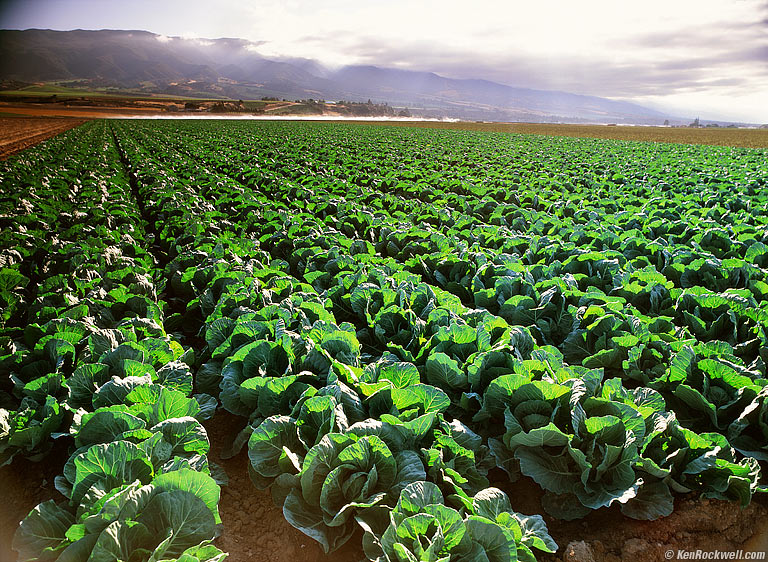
(687, 57)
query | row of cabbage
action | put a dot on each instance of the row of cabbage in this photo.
(434, 378)
(86, 362)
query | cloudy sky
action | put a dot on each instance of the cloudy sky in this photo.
(686, 57)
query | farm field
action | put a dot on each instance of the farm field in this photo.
(410, 343)
(19, 133)
(717, 136)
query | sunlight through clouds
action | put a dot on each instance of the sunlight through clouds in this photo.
(666, 53)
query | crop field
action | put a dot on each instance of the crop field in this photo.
(718, 136)
(18, 133)
(410, 333)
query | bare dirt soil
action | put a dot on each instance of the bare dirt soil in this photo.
(23, 485)
(607, 536)
(35, 110)
(18, 133)
(254, 528)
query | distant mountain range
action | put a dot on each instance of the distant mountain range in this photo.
(140, 61)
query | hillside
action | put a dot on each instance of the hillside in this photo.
(148, 63)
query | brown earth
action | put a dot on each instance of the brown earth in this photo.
(278, 105)
(18, 133)
(254, 528)
(33, 110)
(608, 536)
(23, 485)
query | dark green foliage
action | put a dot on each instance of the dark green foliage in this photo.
(395, 314)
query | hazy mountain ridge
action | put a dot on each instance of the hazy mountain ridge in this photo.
(233, 68)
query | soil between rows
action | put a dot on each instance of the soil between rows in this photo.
(23, 485)
(254, 527)
(608, 536)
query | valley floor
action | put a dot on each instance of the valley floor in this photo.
(746, 138)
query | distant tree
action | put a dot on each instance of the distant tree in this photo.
(666, 122)
(695, 123)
